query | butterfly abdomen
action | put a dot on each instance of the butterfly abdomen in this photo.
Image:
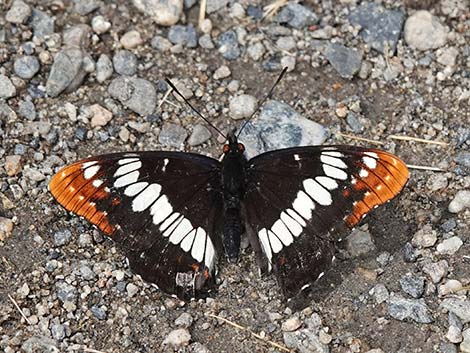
(232, 231)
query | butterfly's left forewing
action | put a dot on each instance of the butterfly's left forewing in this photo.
(161, 208)
(299, 201)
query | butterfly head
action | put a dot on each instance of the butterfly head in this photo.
(232, 145)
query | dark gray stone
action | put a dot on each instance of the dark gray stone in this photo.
(172, 135)
(84, 7)
(296, 15)
(381, 28)
(98, 312)
(27, 110)
(137, 94)
(448, 225)
(415, 309)
(409, 253)
(42, 24)
(353, 122)
(345, 61)
(199, 135)
(280, 126)
(184, 35)
(227, 43)
(460, 307)
(125, 62)
(254, 12)
(359, 243)
(66, 292)
(67, 72)
(412, 285)
(62, 237)
(26, 66)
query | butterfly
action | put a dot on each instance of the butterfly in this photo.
(175, 214)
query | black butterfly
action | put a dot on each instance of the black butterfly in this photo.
(174, 214)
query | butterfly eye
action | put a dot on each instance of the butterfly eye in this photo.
(241, 147)
(226, 149)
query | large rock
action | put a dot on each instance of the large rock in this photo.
(280, 126)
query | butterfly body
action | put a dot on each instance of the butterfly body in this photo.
(174, 214)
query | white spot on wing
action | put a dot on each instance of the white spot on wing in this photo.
(304, 205)
(296, 217)
(165, 163)
(126, 179)
(334, 172)
(197, 250)
(97, 183)
(370, 162)
(335, 162)
(183, 228)
(363, 173)
(210, 254)
(188, 241)
(333, 154)
(327, 182)
(169, 221)
(161, 210)
(275, 242)
(282, 232)
(146, 198)
(127, 168)
(317, 192)
(127, 160)
(291, 223)
(136, 188)
(263, 237)
(88, 164)
(296, 157)
(90, 172)
(372, 154)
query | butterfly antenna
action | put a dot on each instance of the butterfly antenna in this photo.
(268, 96)
(194, 109)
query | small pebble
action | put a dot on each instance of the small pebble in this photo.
(460, 202)
(291, 324)
(222, 72)
(7, 89)
(465, 345)
(132, 289)
(199, 135)
(412, 285)
(436, 270)
(178, 338)
(242, 106)
(100, 25)
(425, 237)
(131, 40)
(18, 12)
(26, 66)
(184, 320)
(13, 165)
(62, 237)
(460, 307)
(125, 62)
(172, 135)
(449, 246)
(424, 31)
(99, 115)
(104, 68)
(359, 243)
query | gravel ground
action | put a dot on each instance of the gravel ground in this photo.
(83, 77)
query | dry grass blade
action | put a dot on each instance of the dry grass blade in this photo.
(416, 139)
(163, 100)
(242, 328)
(423, 167)
(202, 12)
(352, 137)
(19, 309)
(271, 9)
(91, 350)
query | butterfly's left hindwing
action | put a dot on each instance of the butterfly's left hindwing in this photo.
(161, 208)
(299, 201)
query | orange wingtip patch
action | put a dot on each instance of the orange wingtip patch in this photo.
(382, 176)
(77, 187)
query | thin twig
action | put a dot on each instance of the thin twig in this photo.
(352, 137)
(463, 288)
(416, 139)
(271, 9)
(242, 328)
(202, 12)
(91, 350)
(19, 309)
(423, 167)
(163, 100)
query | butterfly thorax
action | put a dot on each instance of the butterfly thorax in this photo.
(234, 187)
